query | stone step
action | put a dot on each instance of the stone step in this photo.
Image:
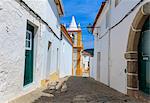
(59, 86)
(52, 85)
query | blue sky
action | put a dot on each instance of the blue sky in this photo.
(85, 12)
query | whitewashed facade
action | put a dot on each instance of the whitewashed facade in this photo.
(66, 54)
(15, 16)
(116, 20)
(92, 69)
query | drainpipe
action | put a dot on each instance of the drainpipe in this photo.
(109, 32)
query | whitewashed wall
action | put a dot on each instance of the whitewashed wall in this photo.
(115, 75)
(55, 44)
(118, 43)
(101, 45)
(12, 56)
(85, 61)
(48, 11)
(13, 22)
(66, 58)
(92, 69)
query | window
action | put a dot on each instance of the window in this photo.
(73, 38)
(49, 45)
(117, 2)
(28, 40)
(88, 64)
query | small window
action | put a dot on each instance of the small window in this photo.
(49, 45)
(117, 2)
(28, 40)
(73, 38)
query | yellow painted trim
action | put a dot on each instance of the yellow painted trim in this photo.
(72, 63)
(79, 39)
(52, 77)
(66, 34)
(79, 47)
(44, 83)
(79, 71)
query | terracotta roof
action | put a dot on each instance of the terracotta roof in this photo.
(98, 14)
(65, 33)
(75, 30)
(59, 7)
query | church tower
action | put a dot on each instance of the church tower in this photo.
(76, 34)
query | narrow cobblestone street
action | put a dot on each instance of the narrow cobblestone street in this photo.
(86, 90)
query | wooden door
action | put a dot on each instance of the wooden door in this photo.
(144, 58)
(28, 73)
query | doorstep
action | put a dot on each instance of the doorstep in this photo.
(144, 97)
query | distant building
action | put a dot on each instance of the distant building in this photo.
(91, 62)
(76, 34)
(86, 57)
(121, 49)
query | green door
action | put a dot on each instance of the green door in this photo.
(144, 58)
(28, 73)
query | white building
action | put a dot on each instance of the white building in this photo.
(86, 57)
(66, 53)
(117, 55)
(92, 69)
(30, 41)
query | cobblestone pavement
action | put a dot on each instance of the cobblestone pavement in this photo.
(86, 90)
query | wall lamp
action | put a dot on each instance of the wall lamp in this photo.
(90, 28)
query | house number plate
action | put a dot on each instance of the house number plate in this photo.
(146, 58)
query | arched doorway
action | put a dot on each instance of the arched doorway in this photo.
(134, 84)
(144, 58)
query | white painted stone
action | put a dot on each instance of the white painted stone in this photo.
(13, 21)
(64, 88)
(73, 25)
(66, 58)
(112, 62)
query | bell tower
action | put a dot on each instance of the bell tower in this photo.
(76, 34)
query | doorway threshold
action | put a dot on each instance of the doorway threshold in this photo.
(144, 97)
